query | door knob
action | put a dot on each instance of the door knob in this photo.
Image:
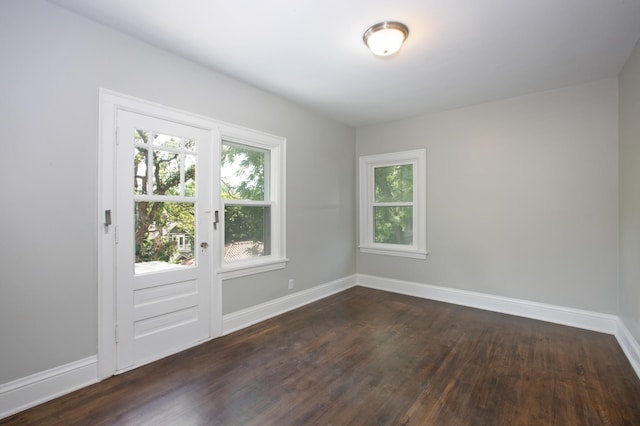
(204, 245)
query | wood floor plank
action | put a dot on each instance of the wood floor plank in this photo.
(366, 357)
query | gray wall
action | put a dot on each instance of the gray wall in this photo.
(522, 193)
(522, 197)
(630, 194)
(53, 63)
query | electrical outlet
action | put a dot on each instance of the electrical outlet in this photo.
(290, 283)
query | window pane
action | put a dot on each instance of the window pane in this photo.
(140, 171)
(140, 136)
(171, 171)
(394, 183)
(189, 145)
(189, 175)
(166, 141)
(164, 235)
(246, 232)
(242, 176)
(166, 173)
(393, 225)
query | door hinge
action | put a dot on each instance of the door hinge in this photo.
(117, 135)
(115, 233)
(116, 333)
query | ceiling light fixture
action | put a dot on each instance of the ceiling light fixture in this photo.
(385, 38)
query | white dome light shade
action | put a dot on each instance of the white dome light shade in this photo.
(385, 38)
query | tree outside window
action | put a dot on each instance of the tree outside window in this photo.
(393, 204)
(244, 183)
(164, 166)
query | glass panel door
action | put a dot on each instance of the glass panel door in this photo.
(165, 251)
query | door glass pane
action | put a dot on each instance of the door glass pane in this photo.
(164, 235)
(189, 145)
(394, 183)
(140, 171)
(166, 173)
(190, 176)
(243, 175)
(166, 141)
(140, 136)
(393, 225)
(246, 232)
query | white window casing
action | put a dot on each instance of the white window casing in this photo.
(274, 199)
(367, 166)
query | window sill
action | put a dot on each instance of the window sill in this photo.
(238, 270)
(413, 254)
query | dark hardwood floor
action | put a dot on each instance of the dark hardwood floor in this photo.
(369, 357)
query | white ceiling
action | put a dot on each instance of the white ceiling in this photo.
(459, 52)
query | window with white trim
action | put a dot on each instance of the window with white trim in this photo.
(393, 216)
(252, 204)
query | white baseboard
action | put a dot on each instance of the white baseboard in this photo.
(255, 314)
(629, 345)
(41, 387)
(594, 321)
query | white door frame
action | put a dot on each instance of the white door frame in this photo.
(110, 103)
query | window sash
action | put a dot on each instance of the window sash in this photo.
(368, 238)
(373, 204)
(254, 242)
(398, 231)
(274, 198)
(266, 172)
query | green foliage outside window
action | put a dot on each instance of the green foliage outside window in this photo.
(155, 221)
(243, 178)
(393, 224)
